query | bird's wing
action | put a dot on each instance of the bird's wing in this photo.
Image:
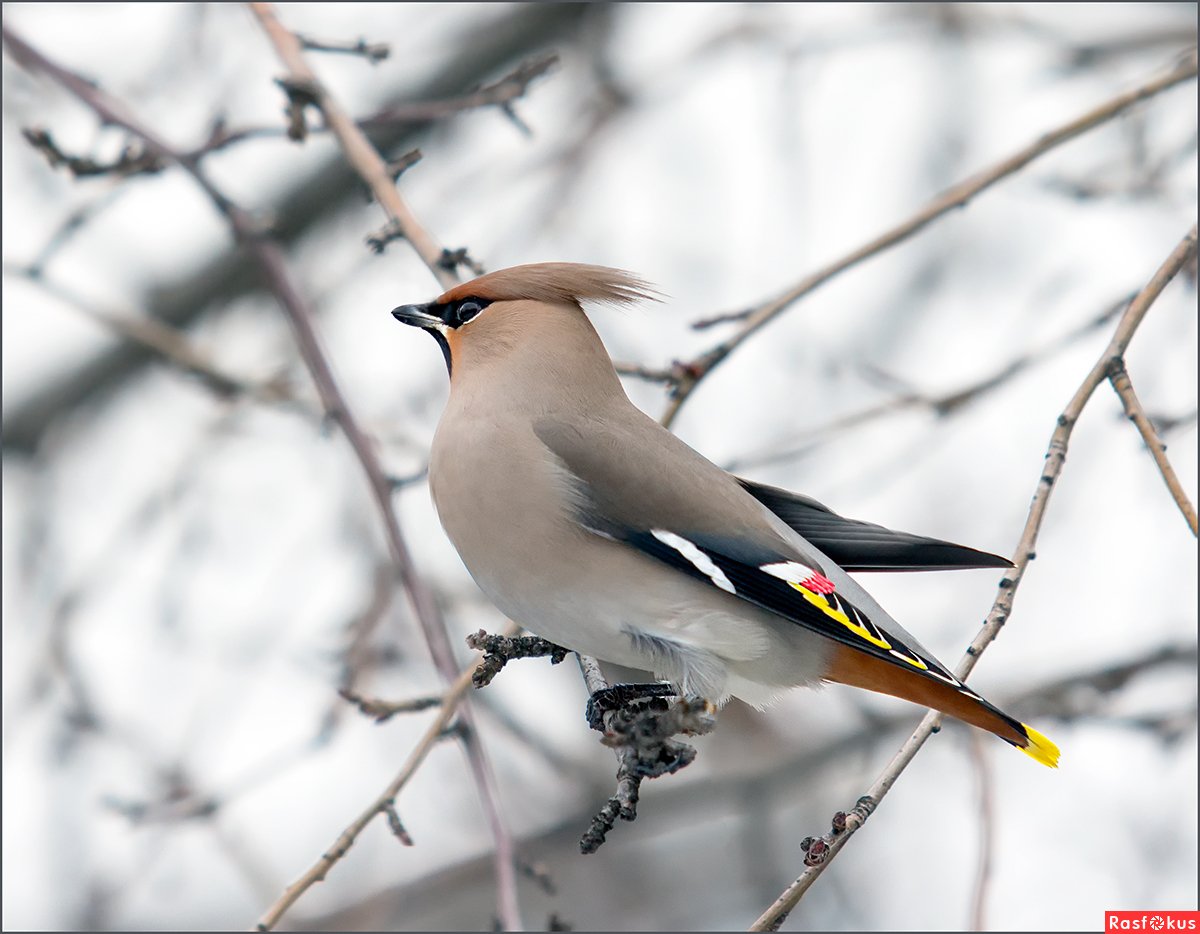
(864, 546)
(631, 481)
(673, 505)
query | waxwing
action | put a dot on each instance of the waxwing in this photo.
(590, 524)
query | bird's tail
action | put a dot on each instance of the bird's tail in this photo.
(860, 670)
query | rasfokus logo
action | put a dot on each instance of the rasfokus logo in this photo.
(1151, 920)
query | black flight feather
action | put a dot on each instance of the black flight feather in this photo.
(864, 546)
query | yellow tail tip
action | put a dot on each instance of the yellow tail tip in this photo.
(1040, 748)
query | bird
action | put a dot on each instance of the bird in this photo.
(591, 525)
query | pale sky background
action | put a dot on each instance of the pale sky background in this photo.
(180, 571)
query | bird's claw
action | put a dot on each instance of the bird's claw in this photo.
(620, 695)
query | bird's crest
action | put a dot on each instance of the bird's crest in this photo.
(555, 283)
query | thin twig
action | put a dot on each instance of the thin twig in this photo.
(362, 628)
(711, 798)
(1071, 695)
(373, 52)
(380, 710)
(1118, 376)
(387, 799)
(498, 651)
(359, 152)
(1002, 607)
(942, 405)
(194, 291)
(959, 195)
(501, 94)
(987, 830)
(133, 160)
(76, 221)
(169, 343)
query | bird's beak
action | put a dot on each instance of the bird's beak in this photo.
(418, 316)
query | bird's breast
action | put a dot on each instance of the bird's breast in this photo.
(499, 497)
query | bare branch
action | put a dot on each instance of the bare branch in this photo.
(959, 195)
(381, 710)
(987, 830)
(1002, 607)
(398, 167)
(1073, 696)
(76, 221)
(134, 159)
(710, 797)
(373, 52)
(501, 94)
(358, 149)
(498, 651)
(173, 346)
(1118, 376)
(452, 259)
(379, 240)
(271, 261)
(943, 405)
(195, 288)
(394, 824)
(362, 628)
(374, 170)
(387, 799)
(672, 375)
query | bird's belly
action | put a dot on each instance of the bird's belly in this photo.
(596, 596)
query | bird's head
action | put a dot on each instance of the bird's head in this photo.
(534, 305)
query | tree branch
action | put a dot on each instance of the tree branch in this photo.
(217, 281)
(383, 804)
(1002, 607)
(375, 171)
(270, 259)
(711, 798)
(373, 52)
(945, 404)
(1118, 376)
(359, 152)
(956, 197)
(172, 345)
(987, 830)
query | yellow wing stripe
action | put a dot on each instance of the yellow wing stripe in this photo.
(822, 604)
(1040, 748)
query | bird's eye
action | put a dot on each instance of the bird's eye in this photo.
(467, 309)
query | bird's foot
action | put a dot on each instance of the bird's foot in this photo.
(620, 696)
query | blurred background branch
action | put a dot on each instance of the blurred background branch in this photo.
(192, 573)
(1001, 611)
(307, 201)
(953, 198)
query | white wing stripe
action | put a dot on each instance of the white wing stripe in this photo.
(702, 562)
(791, 571)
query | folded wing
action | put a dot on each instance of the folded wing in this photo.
(864, 546)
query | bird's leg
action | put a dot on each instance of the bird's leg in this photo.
(621, 695)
